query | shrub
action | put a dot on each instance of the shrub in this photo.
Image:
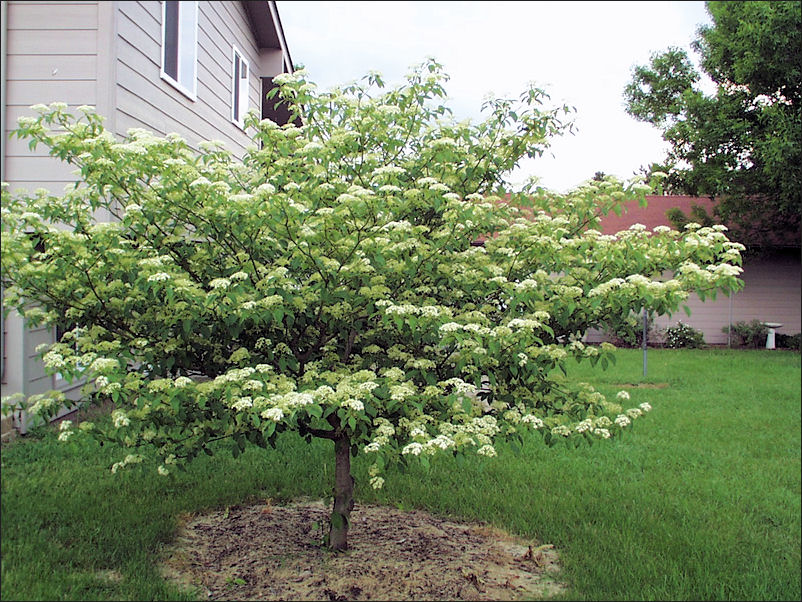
(749, 334)
(789, 341)
(683, 335)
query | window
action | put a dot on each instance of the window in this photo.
(239, 88)
(180, 45)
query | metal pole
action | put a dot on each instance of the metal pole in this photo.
(645, 329)
(729, 324)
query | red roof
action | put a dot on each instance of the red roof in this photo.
(654, 214)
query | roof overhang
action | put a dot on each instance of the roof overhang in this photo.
(266, 26)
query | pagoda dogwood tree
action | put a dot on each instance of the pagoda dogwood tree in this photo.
(330, 283)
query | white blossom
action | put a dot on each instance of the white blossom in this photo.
(486, 450)
(413, 448)
(274, 414)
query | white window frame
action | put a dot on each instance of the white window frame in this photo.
(237, 85)
(189, 92)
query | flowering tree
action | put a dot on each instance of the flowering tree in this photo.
(331, 283)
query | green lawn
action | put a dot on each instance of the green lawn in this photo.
(700, 501)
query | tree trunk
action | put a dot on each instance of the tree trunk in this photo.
(343, 494)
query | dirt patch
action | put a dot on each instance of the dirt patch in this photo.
(643, 386)
(268, 552)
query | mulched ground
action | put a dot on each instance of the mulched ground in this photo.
(266, 552)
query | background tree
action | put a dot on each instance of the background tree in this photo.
(329, 283)
(743, 144)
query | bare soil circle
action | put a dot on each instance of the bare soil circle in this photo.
(265, 552)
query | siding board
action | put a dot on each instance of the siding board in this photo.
(195, 125)
(772, 292)
(139, 40)
(152, 9)
(42, 42)
(40, 16)
(147, 121)
(39, 169)
(65, 67)
(30, 92)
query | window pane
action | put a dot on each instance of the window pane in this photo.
(170, 58)
(188, 17)
(235, 101)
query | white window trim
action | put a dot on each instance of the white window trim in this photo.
(234, 53)
(191, 94)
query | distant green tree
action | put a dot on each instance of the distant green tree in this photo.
(698, 214)
(742, 144)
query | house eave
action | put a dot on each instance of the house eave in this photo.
(266, 26)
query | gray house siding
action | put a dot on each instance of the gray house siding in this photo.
(146, 100)
(108, 55)
(52, 54)
(772, 292)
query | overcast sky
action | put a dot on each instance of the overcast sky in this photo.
(581, 53)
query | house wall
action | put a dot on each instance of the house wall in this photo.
(54, 51)
(145, 100)
(772, 292)
(52, 55)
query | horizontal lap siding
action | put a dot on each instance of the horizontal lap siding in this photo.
(52, 57)
(146, 100)
(772, 292)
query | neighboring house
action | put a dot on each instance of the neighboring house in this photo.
(190, 67)
(772, 277)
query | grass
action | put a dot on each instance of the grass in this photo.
(701, 500)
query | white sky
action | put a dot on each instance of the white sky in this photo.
(581, 53)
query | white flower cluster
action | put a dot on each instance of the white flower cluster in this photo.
(536, 422)
(54, 360)
(486, 450)
(120, 419)
(384, 430)
(353, 404)
(181, 382)
(129, 459)
(526, 285)
(220, 283)
(524, 324)
(242, 403)
(584, 425)
(104, 364)
(274, 414)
